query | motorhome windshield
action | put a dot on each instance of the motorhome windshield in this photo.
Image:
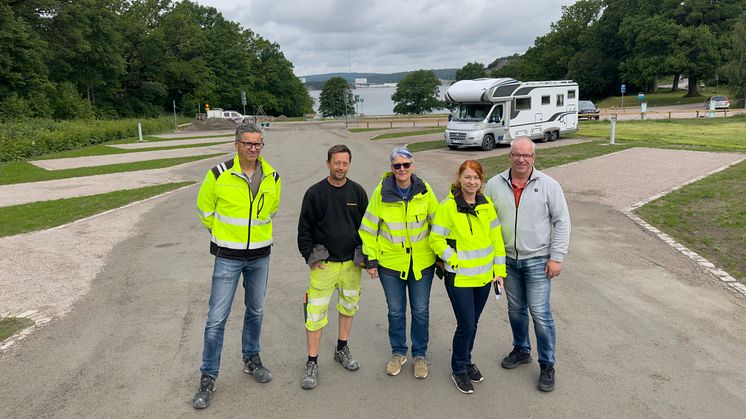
(472, 112)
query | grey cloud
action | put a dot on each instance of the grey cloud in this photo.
(390, 36)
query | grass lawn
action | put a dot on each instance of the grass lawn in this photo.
(426, 145)
(9, 326)
(20, 172)
(103, 150)
(704, 134)
(353, 130)
(663, 97)
(555, 156)
(409, 133)
(709, 220)
(156, 138)
(48, 214)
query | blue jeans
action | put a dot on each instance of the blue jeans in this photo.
(224, 283)
(467, 304)
(419, 300)
(528, 289)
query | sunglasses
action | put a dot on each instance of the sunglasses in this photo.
(398, 166)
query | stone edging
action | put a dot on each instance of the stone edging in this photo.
(39, 320)
(732, 284)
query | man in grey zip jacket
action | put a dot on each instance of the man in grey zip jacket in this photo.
(535, 226)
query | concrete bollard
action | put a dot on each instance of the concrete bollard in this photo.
(139, 131)
(612, 137)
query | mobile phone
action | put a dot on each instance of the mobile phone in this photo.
(498, 290)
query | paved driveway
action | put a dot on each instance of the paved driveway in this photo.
(642, 330)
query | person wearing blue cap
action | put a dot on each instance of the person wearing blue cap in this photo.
(395, 231)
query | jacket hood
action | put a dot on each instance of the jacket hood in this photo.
(461, 204)
(388, 187)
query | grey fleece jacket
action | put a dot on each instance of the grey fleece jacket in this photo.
(540, 225)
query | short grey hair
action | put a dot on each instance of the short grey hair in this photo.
(247, 127)
(401, 151)
(533, 144)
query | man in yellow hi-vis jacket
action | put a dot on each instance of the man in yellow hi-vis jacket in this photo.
(236, 202)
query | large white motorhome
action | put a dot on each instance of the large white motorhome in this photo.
(495, 111)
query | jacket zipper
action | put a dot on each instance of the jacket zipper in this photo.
(251, 208)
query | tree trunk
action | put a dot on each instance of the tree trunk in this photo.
(692, 86)
(675, 86)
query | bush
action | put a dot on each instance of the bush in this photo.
(21, 140)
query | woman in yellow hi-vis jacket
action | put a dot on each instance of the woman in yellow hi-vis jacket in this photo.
(395, 230)
(466, 236)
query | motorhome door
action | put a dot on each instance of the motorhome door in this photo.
(496, 122)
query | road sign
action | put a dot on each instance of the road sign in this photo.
(641, 96)
(624, 89)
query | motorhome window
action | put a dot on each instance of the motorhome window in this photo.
(560, 100)
(545, 100)
(571, 94)
(522, 104)
(472, 112)
(497, 114)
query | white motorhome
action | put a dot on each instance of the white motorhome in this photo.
(495, 111)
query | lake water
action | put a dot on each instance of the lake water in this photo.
(376, 100)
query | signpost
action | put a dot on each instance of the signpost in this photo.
(624, 90)
(643, 105)
(243, 101)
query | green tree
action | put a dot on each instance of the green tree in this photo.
(417, 93)
(23, 69)
(649, 40)
(735, 68)
(471, 71)
(144, 90)
(336, 98)
(85, 46)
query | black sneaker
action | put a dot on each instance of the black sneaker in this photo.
(204, 393)
(463, 383)
(516, 358)
(253, 366)
(546, 378)
(474, 374)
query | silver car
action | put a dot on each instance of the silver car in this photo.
(721, 102)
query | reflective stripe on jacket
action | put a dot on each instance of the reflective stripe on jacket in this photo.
(240, 223)
(395, 232)
(469, 240)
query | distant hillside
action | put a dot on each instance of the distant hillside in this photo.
(316, 81)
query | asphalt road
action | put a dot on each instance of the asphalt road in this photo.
(642, 330)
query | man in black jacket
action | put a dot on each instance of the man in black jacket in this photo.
(328, 240)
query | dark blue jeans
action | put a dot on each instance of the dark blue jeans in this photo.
(225, 277)
(528, 289)
(467, 304)
(419, 300)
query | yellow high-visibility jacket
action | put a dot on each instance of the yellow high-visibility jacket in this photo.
(240, 223)
(469, 240)
(395, 232)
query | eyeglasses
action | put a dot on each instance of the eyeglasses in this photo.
(517, 156)
(398, 166)
(251, 145)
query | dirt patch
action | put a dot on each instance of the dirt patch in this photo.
(213, 124)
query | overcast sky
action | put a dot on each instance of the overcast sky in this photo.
(387, 36)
